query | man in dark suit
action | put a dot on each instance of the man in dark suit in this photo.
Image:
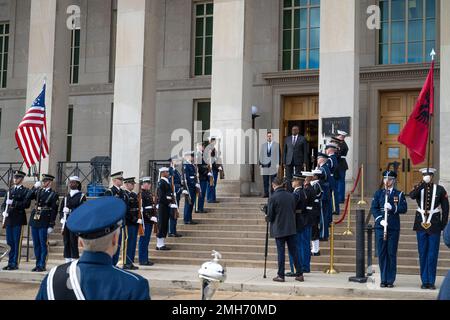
(269, 160)
(281, 216)
(295, 156)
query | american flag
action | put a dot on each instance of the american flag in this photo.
(30, 131)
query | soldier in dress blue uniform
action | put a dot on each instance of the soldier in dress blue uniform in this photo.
(175, 176)
(71, 201)
(14, 215)
(387, 248)
(431, 219)
(314, 189)
(166, 203)
(326, 215)
(342, 163)
(116, 191)
(216, 168)
(132, 222)
(192, 185)
(202, 170)
(149, 211)
(331, 151)
(42, 220)
(94, 277)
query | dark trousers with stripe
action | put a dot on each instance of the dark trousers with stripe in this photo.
(204, 184)
(172, 220)
(40, 245)
(70, 244)
(144, 241)
(303, 249)
(211, 191)
(387, 254)
(117, 254)
(188, 208)
(132, 231)
(428, 245)
(14, 240)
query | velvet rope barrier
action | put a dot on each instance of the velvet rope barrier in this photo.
(347, 201)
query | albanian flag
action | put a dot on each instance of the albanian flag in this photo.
(415, 133)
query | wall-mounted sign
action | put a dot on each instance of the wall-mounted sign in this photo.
(330, 126)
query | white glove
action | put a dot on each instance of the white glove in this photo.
(139, 221)
(37, 184)
(185, 192)
(313, 183)
(49, 230)
(210, 174)
(384, 223)
(154, 219)
(142, 209)
(9, 202)
(66, 210)
(5, 214)
(174, 206)
(388, 206)
(220, 169)
(197, 185)
(63, 221)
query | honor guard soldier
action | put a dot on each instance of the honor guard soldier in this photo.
(14, 218)
(175, 182)
(42, 220)
(117, 192)
(166, 202)
(71, 201)
(202, 170)
(389, 202)
(331, 151)
(431, 219)
(215, 169)
(312, 186)
(190, 176)
(132, 222)
(301, 223)
(342, 163)
(149, 210)
(94, 277)
(327, 206)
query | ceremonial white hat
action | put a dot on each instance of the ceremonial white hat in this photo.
(317, 172)
(307, 174)
(428, 170)
(164, 169)
(74, 178)
(342, 133)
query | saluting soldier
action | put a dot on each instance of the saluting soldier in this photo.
(132, 222)
(94, 277)
(191, 185)
(14, 217)
(315, 192)
(327, 207)
(149, 212)
(175, 178)
(342, 163)
(394, 201)
(431, 219)
(202, 170)
(116, 191)
(43, 216)
(71, 201)
(166, 202)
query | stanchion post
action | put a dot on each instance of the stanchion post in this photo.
(360, 249)
(349, 231)
(369, 250)
(331, 269)
(362, 201)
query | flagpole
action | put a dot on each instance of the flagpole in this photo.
(430, 119)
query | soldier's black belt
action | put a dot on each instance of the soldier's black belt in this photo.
(43, 208)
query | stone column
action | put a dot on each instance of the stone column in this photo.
(49, 57)
(231, 89)
(444, 115)
(339, 70)
(134, 88)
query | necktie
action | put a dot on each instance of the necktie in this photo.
(295, 140)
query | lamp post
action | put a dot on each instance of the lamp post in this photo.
(254, 116)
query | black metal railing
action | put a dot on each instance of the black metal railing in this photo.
(6, 172)
(153, 169)
(90, 173)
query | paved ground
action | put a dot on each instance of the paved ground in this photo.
(181, 282)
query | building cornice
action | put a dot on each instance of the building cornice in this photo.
(397, 72)
(197, 83)
(91, 89)
(13, 94)
(286, 77)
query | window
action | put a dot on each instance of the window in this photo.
(75, 56)
(408, 31)
(203, 116)
(301, 34)
(4, 47)
(203, 38)
(0, 121)
(69, 134)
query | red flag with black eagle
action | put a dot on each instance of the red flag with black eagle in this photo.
(415, 133)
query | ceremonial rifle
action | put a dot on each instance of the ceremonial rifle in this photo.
(7, 200)
(176, 213)
(141, 228)
(187, 196)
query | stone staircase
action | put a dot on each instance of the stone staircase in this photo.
(236, 228)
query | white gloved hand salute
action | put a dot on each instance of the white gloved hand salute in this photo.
(5, 214)
(185, 192)
(140, 221)
(388, 206)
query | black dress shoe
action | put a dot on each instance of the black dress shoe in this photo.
(323, 239)
(300, 278)
(148, 264)
(431, 287)
(35, 269)
(383, 285)
(177, 235)
(13, 268)
(424, 286)
(6, 268)
(39, 269)
(163, 248)
(191, 222)
(278, 279)
(390, 286)
(133, 267)
(265, 196)
(317, 254)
